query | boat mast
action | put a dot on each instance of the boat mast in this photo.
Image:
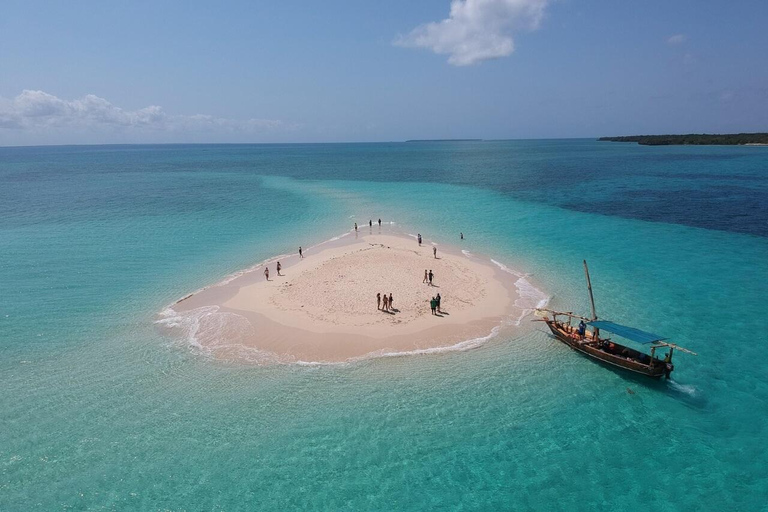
(589, 287)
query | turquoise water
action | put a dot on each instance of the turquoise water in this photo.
(99, 411)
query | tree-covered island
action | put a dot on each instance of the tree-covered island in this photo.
(694, 139)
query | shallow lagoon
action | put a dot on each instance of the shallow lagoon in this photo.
(102, 411)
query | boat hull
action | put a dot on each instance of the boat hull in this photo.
(590, 348)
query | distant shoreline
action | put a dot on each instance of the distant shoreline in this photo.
(444, 140)
(694, 139)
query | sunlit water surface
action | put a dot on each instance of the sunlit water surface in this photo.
(100, 411)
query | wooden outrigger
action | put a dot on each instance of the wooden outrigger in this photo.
(604, 349)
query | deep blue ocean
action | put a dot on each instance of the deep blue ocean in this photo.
(100, 411)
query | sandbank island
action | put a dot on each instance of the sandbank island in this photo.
(323, 307)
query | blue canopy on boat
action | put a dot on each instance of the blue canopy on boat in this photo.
(629, 333)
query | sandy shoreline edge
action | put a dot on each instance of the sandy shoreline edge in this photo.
(322, 310)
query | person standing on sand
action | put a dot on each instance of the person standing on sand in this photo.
(355, 227)
(426, 276)
(266, 273)
(391, 301)
(301, 255)
(279, 268)
(437, 303)
(430, 277)
(418, 237)
(378, 301)
(432, 305)
(385, 306)
(434, 251)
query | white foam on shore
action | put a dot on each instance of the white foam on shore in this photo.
(461, 346)
(529, 297)
(207, 330)
(466, 253)
(338, 237)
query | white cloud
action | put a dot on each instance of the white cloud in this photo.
(677, 39)
(40, 112)
(477, 30)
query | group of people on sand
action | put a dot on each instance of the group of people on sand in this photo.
(434, 304)
(434, 248)
(428, 276)
(384, 303)
(279, 266)
(266, 270)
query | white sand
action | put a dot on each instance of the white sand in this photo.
(324, 306)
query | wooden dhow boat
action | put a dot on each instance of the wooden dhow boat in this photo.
(591, 343)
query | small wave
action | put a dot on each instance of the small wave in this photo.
(186, 324)
(466, 253)
(210, 332)
(462, 346)
(529, 297)
(333, 239)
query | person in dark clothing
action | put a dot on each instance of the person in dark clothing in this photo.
(378, 301)
(437, 299)
(430, 277)
(433, 305)
(582, 329)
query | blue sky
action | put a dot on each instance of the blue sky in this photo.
(314, 71)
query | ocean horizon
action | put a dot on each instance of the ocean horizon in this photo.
(103, 410)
